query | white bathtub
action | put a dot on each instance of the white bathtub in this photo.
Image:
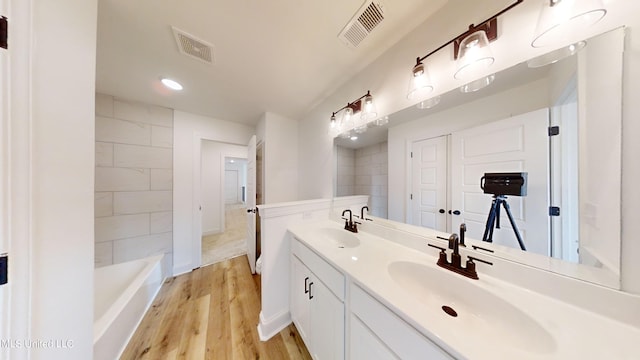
(123, 293)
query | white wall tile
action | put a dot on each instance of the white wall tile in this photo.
(121, 227)
(140, 247)
(104, 154)
(142, 157)
(103, 205)
(161, 136)
(161, 222)
(104, 105)
(161, 179)
(103, 254)
(136, 202)
(122, 179)
(121, 131)
(148, 114)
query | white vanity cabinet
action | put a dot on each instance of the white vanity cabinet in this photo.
(377, 333)
(317, 303)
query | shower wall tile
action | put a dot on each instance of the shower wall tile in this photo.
(103, 254)
(104, 105)
(161, 136)
(134, 181)
(141, 247)
(148, 114)
(103, 205)
(161, 179)
(121, 227)
(161, 222)
(136, 202)
(122, 179)
(142, 156)
(371, 174)
(104, 154)
(122, 132)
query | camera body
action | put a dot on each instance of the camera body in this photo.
(513, 183)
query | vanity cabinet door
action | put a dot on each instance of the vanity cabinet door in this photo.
(327, 323)
(365, 344)
(300, 278)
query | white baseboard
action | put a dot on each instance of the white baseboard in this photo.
(268, 328)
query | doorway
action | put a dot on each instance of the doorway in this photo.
(223, 179)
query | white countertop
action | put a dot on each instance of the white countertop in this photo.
(574, 332)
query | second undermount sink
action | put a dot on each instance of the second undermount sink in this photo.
(339, 238)
(475, 310)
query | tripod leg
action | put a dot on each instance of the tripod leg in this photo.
(514, 226)
(488, 230)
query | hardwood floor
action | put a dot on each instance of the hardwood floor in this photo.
(210, 313)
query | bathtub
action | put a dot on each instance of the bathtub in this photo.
(122, 294)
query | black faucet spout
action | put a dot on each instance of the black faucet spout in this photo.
(348, 223)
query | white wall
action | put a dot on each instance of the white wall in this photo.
(372, 178)
(280, 161)
(189, 129)
(387, 78)
(134, 181)
(346, 175)
(52, 153)
(212, 183)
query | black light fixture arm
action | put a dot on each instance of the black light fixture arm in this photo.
(350, 104)
(472, 28)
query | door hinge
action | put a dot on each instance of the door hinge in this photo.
(553, 130)
(412, 154)
(554, 211)
(4, 269)
(410, 196)
(4, 32)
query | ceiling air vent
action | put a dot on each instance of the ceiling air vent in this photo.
(362, 23)
(193, 47)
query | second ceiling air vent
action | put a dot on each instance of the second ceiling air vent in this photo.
(368, 17)
(191, 46)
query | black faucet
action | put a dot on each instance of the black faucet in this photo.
(362, 213)
(455, 264)
(349, 224)
(463, 229)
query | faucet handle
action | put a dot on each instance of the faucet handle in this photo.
(438, 247)
(471, 259)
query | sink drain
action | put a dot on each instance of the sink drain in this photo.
(449, 311)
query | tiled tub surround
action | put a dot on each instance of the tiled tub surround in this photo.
(364, 172)
(582, 320)
(134, 181)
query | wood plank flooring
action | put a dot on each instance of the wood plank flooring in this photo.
(210, 313)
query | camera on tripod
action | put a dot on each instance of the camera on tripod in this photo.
(500, 185)
(513, 183)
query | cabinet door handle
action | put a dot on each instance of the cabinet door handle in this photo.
(310, 295)
(306, 286)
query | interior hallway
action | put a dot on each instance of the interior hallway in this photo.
(210, 313)
(231, 242)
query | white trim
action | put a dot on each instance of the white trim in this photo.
(267, 328)
(293, 207)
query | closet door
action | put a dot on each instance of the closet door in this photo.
(519, 143)
(429, 183)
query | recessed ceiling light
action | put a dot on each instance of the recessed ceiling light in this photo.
(171, 84)
(354, 138)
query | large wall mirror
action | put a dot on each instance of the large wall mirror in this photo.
(559, 123)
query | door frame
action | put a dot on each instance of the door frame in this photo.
(196, 222)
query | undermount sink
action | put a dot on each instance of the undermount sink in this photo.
(475, 310)
(340, 238)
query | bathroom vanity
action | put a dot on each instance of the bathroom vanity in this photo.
(378, 294)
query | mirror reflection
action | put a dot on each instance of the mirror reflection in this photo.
(560, 124)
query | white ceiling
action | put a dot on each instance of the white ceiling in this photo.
(281, 56)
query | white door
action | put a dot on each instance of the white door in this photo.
(4, 183)
(231, 180)
(251, 204)
(429, 183)
(516, 144)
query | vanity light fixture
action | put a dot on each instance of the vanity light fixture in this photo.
(556, 55)
(560, 19)
(471, 50)
(171, 84)
(364, 104)
(476, 85)
(429, 103)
